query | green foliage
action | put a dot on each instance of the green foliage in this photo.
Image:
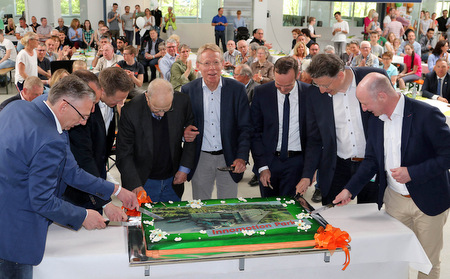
(70, 7)
(20, 6)
(181, 8)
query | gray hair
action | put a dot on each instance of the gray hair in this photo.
(329, 49)
(325, 65)
(31, 82)
(73, 88)
(245, 70)
(171, 41)
(254, 46)
(159, 86)
(266, 50)
(364, 43)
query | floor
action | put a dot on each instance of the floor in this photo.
(244, 190)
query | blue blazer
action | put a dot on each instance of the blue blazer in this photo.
(264, 113)
(321, 151)
(35, 164)
(425, 151)
(235, 126)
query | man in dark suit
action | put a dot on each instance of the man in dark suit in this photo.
(149, 53)
(34, 160)
(336, 128)
(436, 85)
(32, 88)
(409, 150)
(91, 143)
(278, 118)
(150, 155)
(222, 127)
(243, 73)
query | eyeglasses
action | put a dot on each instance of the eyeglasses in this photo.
(215, 64)
(323, 86)
(82, 117)
(159, 110)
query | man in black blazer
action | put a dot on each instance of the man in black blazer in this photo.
(149, 53)
(272, 102)
(32, 88)
(91, 143)
(150, 155)
(408, 148)
(222, 127)
(439, 76)
(336, 128)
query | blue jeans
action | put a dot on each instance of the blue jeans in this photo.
(161, 190)
(12, 270)
(7, 64)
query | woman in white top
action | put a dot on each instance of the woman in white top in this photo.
(26, 60)
(149, 20)
(425, 24)
(340, 31)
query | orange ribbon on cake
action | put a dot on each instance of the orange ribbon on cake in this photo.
(142, 198)
(331, 238)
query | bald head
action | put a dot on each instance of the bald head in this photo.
(160, 96)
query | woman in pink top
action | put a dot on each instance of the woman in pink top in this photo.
(413, 67)
(367, 21)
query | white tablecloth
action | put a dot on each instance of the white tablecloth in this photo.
(381, 247)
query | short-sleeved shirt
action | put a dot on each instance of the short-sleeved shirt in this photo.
(340, 36)
(218, 19)
(44, 65)
(392, 71)
(136, 68)
(128, 20)
(8, 45)
(395, 27)
(417, 61)
(22, 31)
(30, 63)
(113, 25)
(158, 16)
(41, 30)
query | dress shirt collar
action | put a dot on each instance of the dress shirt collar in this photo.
(293, 90)
(58, 125)
(219, 86)
(398, 111)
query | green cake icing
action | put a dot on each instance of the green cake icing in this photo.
(227, 222)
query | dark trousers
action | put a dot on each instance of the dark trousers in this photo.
(138, 38)
(284, 176)
(152, 64)
(220, 35)
(345, 169)
(129, 34)
(114, 34)
(12, 270)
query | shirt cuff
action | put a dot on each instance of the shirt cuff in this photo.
(435, 97)
(263, 168)
(184, 169)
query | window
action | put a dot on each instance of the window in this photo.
(291, 7)
(20, 7)
(182, 8)
(352, 9)
(70, 7)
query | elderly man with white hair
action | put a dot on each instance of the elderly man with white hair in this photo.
(109, 58)
(231, 55)
(366, 58)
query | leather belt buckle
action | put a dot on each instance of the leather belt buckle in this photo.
(219, 152)
(356, 159)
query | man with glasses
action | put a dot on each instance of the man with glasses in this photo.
(151, 155)
(223, 131)
(336, 128)
(165, 64)
(91, 143)
(44, 69)
(34, 161)
(278, 117)
(32, 88)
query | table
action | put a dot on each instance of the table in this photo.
(381, 247)
(86, 56)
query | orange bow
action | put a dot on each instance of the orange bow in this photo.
(331, 238)
(142, 198)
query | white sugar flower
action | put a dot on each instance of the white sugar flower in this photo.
(290, 202)
(222, 202)
(202, 231)
(157, 235)
(147, 222)
(177, 239)
(284, 205)
(242, 199)
(262, 233)
(278, 199)
(149, 205)
(248, 232)
(170, 202)
(195, 203)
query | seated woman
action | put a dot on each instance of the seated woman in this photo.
(299, 54)
(389, 45)
(182, 71)
(391, 70)
(413, 67)
(88, 34)
(262, 69)
(75, 33)
(439, 51)
(133, 68)
(10, 29)
(57, 76)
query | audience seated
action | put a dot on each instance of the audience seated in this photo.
(9, 56)
(51, 55)
(262, 69)
(182, 71)
(411, 39)
(413, 67)
(121, 44)
(75, 33)
(230, 57)
(32, 88)
(243, 52)
(133, 68)
(365, 58)
(165, 64)
(329, 49)
(439, 52)
(88, 34)
(44, 70)
(44, 30)
(427, 44)
(391, 70)
(21, 30)
(61, 26)
(79, 65)
(149, 53)
(10, 28)
(109, 58)
(34, 24)
(57, 76)
(376, 49)
(243, 74)
(437, 84)
(258, 37)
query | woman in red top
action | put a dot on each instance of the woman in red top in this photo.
(413, 67)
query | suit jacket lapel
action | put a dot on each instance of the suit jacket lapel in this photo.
(406, 128)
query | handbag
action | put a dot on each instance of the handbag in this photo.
(164, 29)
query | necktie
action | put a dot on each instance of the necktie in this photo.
(439, 86)
(285, 133)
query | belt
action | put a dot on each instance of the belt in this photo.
(406, 196)
(290, 153)
(356, 159)
(220, 152)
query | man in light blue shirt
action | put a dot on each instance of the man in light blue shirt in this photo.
(166, 62)
(411, 40)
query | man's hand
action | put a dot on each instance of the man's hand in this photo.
(94, 220)
(401, 175)
(190, 133)
(302, 186)
(114, 213)
(137, 190)
(180, 177)
(442, 99)
(239, 166)
(128, 199)
(264, 177)
(343, 198)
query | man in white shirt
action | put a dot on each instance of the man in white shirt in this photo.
(340, 31)
(408, 149)
(109, 58)
(7, 52)
(21, 30)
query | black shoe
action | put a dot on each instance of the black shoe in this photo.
(317, 196)
(254, 181)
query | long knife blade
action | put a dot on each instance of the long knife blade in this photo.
(145, 211)
(323, 208)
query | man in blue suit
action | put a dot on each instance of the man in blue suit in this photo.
(408, 148)
(277, 144)
(336, 128)
(221, 128)
(35, 165)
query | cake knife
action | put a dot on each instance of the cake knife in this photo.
(323, 208)
(145, 211)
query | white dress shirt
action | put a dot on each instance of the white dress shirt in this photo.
(212, 140)
(107, 114)
(350, 138)
(393, 144)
